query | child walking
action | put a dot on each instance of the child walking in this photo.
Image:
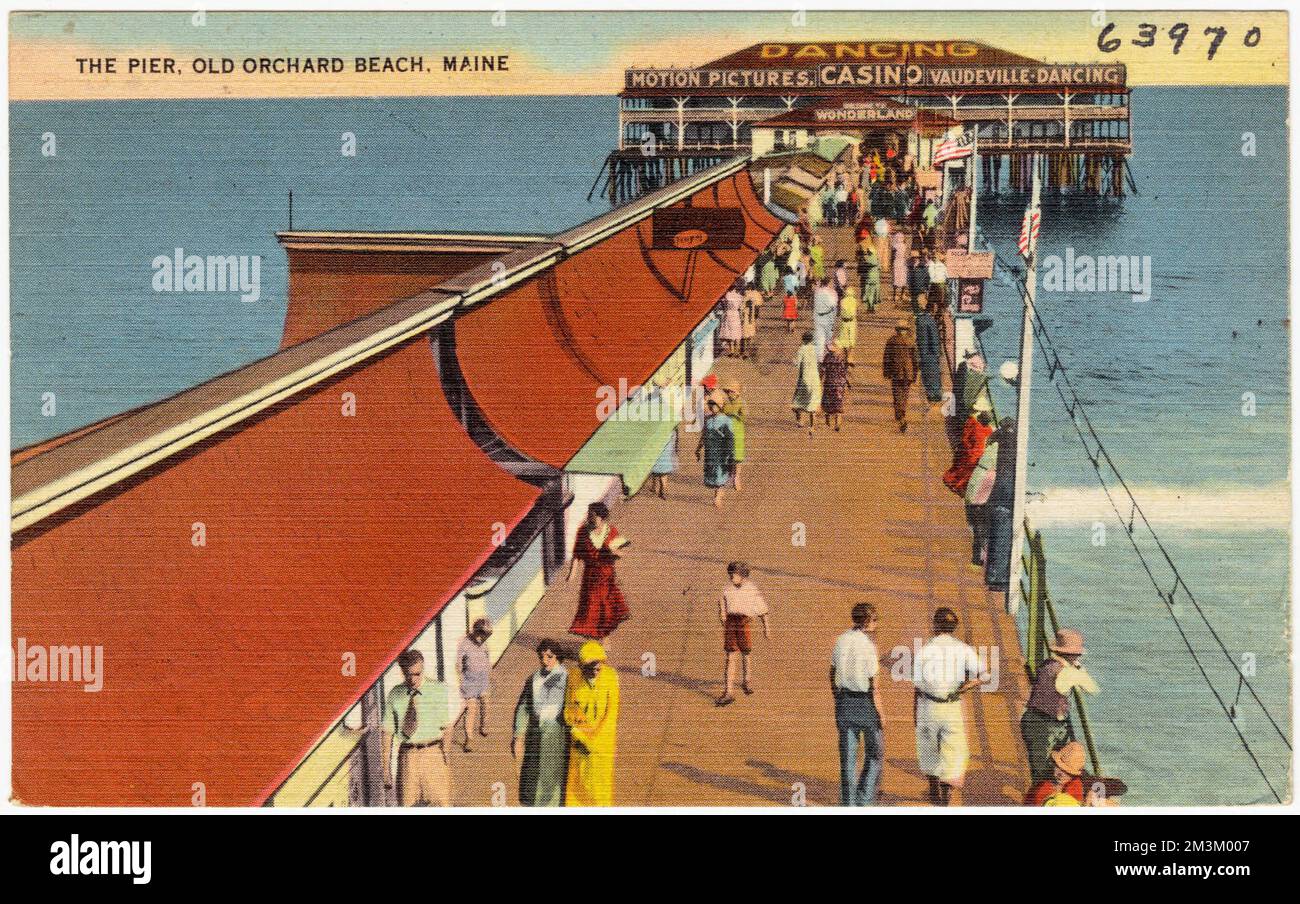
(740, 604)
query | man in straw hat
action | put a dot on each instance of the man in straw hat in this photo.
(1045, 726)
(591, 712)
(901, 366)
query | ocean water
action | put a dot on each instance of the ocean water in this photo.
(1164, 381)
(1164, 378)
(136, 179)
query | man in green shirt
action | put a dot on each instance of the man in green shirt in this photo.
(416, 715)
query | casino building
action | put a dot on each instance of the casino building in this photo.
(1074, 115)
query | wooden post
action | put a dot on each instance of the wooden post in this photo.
(974, 190)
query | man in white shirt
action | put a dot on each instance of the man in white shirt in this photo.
(855, 667)
(945, 668)
(938, 271)
(826, 313)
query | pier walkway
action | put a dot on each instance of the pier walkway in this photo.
(880, 527)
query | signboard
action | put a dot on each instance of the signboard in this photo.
(929, 178)
(970, 296)
(962, 265)
(917, 76)
(877, 75)
(698, 229)
(866, 112)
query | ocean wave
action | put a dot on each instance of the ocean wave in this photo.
(1204, 507)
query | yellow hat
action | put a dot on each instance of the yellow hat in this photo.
(591, 652)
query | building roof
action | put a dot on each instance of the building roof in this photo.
(606, 318)
(327, 540)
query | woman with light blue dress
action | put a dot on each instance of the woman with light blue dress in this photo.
(717, 446)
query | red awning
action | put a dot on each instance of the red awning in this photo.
(537, 356)
(327, 537)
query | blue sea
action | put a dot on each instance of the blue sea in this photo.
(1164, 379)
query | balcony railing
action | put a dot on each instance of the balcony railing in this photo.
(990, 145)
(698, 114)
(1056, 112)
(670, 146)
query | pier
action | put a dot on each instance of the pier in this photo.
(298, 531)
(880, 528)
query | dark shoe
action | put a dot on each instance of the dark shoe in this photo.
(725, 701)
(747, 689)
(902, 426)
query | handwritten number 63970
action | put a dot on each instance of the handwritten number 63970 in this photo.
(1148, 33)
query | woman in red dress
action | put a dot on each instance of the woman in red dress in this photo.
(601, 607)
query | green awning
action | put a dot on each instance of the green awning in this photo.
(627, 448)
(829, 147)
(629, 443)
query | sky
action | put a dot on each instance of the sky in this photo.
(575, 52)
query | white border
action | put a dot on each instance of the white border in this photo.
(669, 5)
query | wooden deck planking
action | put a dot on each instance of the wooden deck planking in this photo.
(881, 528)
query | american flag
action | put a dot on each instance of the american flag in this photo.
(953, 149)
(1029, 226)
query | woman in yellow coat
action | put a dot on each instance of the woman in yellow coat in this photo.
(591, 711)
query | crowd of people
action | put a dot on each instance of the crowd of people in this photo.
(565, 719)
(943, 671)
(910, 226)
(564, 737)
